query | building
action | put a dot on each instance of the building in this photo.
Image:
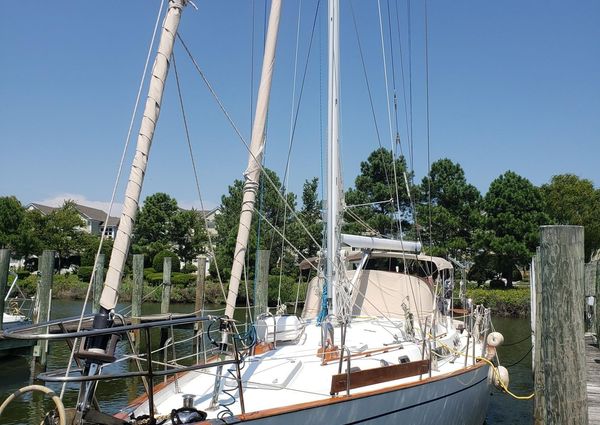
(92, 217)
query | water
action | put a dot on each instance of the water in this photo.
(29, 410)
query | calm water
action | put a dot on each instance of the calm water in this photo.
(29, 410)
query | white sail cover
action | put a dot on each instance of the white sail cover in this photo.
(367, 242)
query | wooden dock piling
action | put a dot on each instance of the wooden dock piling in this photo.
(262, 283)
(136, 295)
(44, 301)
(166, 289)
(199, 304)
(166, 297)
(560, 329)
(4, 264)
(98, 283)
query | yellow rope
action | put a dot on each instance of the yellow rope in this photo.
(495, 369)
(504, 387)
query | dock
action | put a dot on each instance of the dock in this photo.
(592, 360)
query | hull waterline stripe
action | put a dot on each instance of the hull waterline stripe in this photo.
(375, 416)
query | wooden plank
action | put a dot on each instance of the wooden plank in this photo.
(363, 378)
(592, 360)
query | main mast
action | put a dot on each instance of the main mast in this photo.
(252, 173)
(334, 181)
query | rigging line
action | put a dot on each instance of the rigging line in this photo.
(362, 59)
(239, 134)
(428, 122)
(409, 133)
(114, 192)
(395, 176)
(521, 359)
(403, 77)
(295, 115)
(387, 94)
(252, 68)
(291, 136)
(397, 140)
(389, 113)
(194, 168)
(410, 90)
(385, 169)
(362, 222)
(285, 239)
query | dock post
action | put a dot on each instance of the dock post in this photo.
(166, 297)
(596, 307)
(44, 300)
(136, 295)
(262, 283)
(4, 264)
(199, 304)
(166, 290)
(98, 282)
(560, 328)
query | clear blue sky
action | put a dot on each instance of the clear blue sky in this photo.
(513, 85)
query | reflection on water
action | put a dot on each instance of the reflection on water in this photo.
(113, 395)
(503, 408)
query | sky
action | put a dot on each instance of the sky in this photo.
(512, 85)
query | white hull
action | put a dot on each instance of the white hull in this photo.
(460, 399)
(290, 384)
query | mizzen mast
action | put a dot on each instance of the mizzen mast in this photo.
(110, 293)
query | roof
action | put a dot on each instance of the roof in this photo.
(85, 211)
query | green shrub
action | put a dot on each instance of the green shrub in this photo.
(189, 268)
(182, 279)
(158, 261)
(23, 274)
(148, 271)
(155, 278)
(288, 289)
(85, 273)
(503, 302)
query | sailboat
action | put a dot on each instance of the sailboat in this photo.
(378, 340)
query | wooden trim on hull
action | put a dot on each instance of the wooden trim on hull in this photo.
(252, 416)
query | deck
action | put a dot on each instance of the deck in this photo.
(592, 358)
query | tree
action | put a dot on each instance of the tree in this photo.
(375, 185)
(63, 231)
(29, 237)
(188, 234)
(514, 210)
(455, 210)
(308, 236)
(12, 215)
(571, 200)
(154, 227)
(271, 207)
(89, 249)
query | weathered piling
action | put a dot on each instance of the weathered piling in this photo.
(597, 308)
(166, 289)
(98, 282)
(200, 281)
(136, 295)
(560, 329)
(199, 304)
(166, 297)
(261, 292)
(44, 300)
(4, 264)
